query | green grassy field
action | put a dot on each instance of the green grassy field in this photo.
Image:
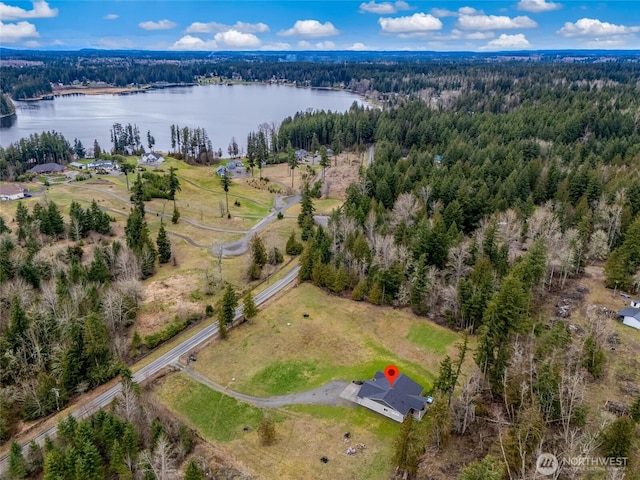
(284, 352)
(217, 416)
(304, 433)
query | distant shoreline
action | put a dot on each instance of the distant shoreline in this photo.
(68, 90)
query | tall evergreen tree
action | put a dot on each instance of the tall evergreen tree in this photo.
(292, 161)
(227, 309)
(164, 245)
(193, 471)
(258, 251)
(249, 309)
(225, 182)
(3, 227)
(23, 220)
(17, 467)
(174, 184)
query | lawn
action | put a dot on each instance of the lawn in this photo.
(283, 352)
(322, 207)
(304, 434)
(423, 335)
(217, 416)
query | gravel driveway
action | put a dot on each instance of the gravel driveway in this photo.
(328, 394)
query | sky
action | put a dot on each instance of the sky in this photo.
(211, 25)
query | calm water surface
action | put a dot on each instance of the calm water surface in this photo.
(224, 111)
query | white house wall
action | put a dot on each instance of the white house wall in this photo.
(632, 322)
(381, 409)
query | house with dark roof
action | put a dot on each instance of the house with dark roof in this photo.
(396, 402)
(47, 168)
(301, 154)
(630, 316)
(104, 164)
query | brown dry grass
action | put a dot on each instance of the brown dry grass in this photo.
(339, 334)
(166, 299)
(303, 439)
(622, 368)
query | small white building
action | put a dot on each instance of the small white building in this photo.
(11, 192)
(630, 317)
(635, 303)
(151, 157)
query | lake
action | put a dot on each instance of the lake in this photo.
(223, 111)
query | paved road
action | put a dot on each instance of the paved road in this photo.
(328, 394)
(172, 356)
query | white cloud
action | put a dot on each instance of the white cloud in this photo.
(111, 16)
(614, 41)
(592, 27)
(418, 22)
(276, 46)
(245, 27)
(236, 39)
(494, 22)
(443, 12)
(469, 11)
(58, 42)
(114, 43)
(160, 25)
(383, 8)
(358, 46)
(210, 27)
(325, 45)
(311, 28)
(460, 35)
(15, 32)
(32, 44)
(508, 42)
(537, 6)
(478, 36)
(189, 42)
(41, 9)
(304, 44)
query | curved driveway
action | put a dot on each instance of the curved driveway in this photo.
(328, 394)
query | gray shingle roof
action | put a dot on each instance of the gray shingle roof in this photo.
(403, 396)
(630, 312)
(47, 167)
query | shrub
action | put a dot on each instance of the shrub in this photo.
(267, 432)
(255, 272)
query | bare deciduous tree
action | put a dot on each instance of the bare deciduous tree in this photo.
(160, 461)
(458, 267)
(599, 245)
(127, 265)
(463, 409)
(405, 209)
(570, 393)
(609, 217)
(128, 406)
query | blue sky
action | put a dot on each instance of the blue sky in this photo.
(328, 25)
